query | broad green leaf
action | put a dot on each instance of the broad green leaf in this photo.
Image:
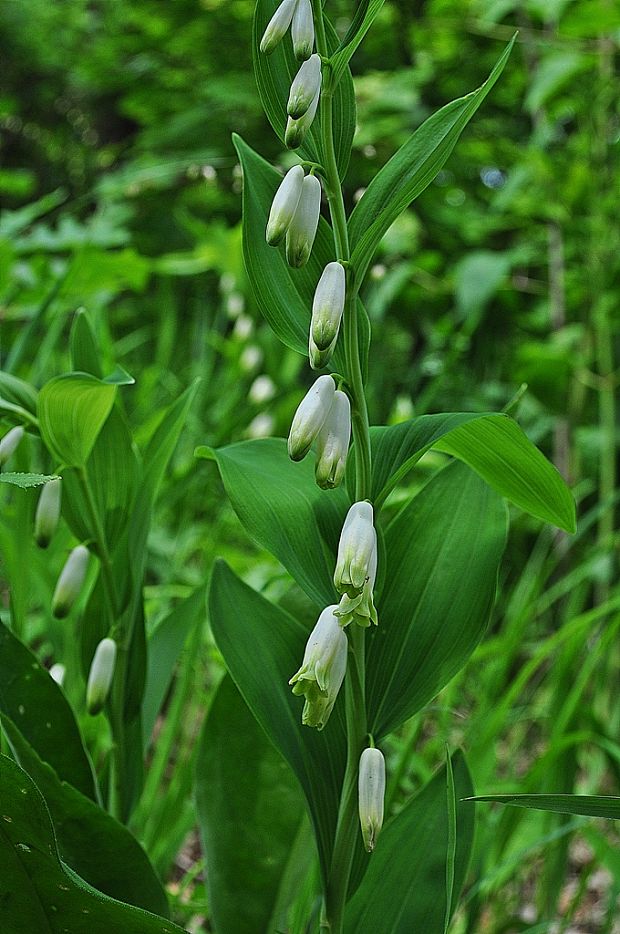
(284, 295)
(365, 14)
(411, 170)
(39, 892)
(164, 647)
(587, 805)
(263, 647)
(85, 355)
(33, 700)
(250, 809)
(72, 411)
(404, 889)
(91, 841)
(274, 74)
(491, 444)
(443, 554)
(26, 480)
(281, 507)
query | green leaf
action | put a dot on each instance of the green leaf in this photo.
(411, 170)
(18, 392)
(90, 840)
(274, 74)
(491, 444)
(33, 700)
(282, 508)
(85, 355)
(250, 809)
(26, 480)
(40, 893)
(72, 411)
(164, 648)
(443, 554)
(365, 14)
(587, 805)
(477, 277)
(263, 647)
(451, 805)
(404, 889)
(284, 295)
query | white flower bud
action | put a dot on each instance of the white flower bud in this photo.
(306, 85)
(9, 443)
(277, 26)
(100, 675)
(371, 794)
(358, 541)
(284, 205)
(328, 306)
(309, 417)
(302, 30)
(297, 129)
(70, 581)
(57, 673)
(48, 512)
(333, 443)
(302, 230)
(322, 671)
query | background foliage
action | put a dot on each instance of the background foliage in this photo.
(122, 195)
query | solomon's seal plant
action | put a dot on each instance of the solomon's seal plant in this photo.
(402, 596)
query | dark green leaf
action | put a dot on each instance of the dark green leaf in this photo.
(443, 554)
(274, 74)
(85, 355)
(17, 392)
(40, 893)
(284, 295)
(96, 846)
(587, 805)
(281, 507)
(250, 809)
(263, 647)
(33, 700)
(404, 889)
(72, 411)
(412, 169)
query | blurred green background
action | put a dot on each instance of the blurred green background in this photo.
(122, 195)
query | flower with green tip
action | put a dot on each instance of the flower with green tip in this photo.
(328, 307)
(310, 416)
(284, 205)
(302, 229)
(302, 30)
(371, 794)
(48, 512)
(306, 85)
(277, 26)
(323, 669)
(70, 581)
(100, 676)
(333, 443)
(356, 550)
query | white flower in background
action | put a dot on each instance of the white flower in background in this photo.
(251, 357)
(277, 26)
(57, 673)
(333, 443)
(310, 416)
(284, 205)
(327, 308)
(371, 794)
(260, 427)
(302, 229)
(9, 443)
(262, 390)
(100, 675)
(358, 543)
(48, 512)
(243, 327)
(302, 30)
(323, 669)
(306, 85)
(235, 303)
(70, 581)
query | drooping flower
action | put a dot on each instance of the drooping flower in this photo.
(360, 609)
(358, 544)
(277, 26)
(100, 675)
(296, 129)
(302, 229)
(48, 512)
(333, 443)
(327, 310)
(10, 442)
(70, 581)
(306, 84)
(323, 669)
(302, 30)
(310, 416)
(284, 205)
(371, 794)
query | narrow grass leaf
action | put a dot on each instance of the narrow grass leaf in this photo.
(586, 805)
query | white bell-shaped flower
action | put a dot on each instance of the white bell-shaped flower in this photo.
(9, 443)
(328, 306)
(323, 669)
(100, 675)
(358, 543)
(302, 30)
(284, 205)
(70, 581)
(277, 26)
(371, 795)
(48, 512)
(306, 85)
(310, 416)
(302, 229)
(333, 443)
